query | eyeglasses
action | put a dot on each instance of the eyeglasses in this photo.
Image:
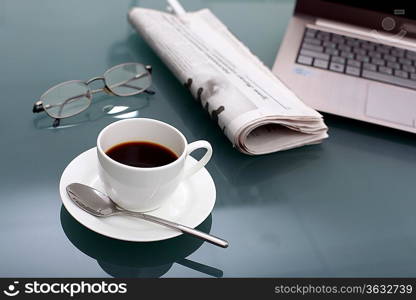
(73, 97)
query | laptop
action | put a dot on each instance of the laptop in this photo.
(355, 59)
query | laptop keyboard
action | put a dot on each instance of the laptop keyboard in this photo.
(356, 57)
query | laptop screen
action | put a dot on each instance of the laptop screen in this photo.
(398, 15)
(394, 8)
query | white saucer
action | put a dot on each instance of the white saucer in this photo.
(189, 205)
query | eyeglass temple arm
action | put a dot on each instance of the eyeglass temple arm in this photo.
(57, 121)
(125, 83)
(147, 91)
(38, 107)
(138, 76)
(150, 92)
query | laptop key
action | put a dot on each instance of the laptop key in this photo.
(304, 60)
(370, 67)
(397, 52)
(408, 68)
(354, 63)
(374, 54)
(389, 79)
(332, 51)
(411, 55)
(312, 47)
(329, 44)
(344, 48)
(337, 39)
(325, 36)
(338, 60)
(383, 49)
(312, 41)
(378, 61)
(362, 58)
(308, 29)
(405, 61)
(367, 46)
(390, 58)
(385, 70)
(310, 53)
(352, 71)
(393, 65)
(320, 63)
(336, 67)
(359, 51)
(352, 42)
(413, 76)
(401, 73)
(310, 32)
(347, 54)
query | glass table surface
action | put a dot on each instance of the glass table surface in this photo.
(346, 207)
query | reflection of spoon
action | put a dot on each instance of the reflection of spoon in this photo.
(130, 259)
(100, 205)
(157, 271)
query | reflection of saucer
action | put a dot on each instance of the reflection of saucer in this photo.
(189, 205)
(129, 259)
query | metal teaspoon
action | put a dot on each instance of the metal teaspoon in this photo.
(100, 205)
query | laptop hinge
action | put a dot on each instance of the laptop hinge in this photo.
(397, 40)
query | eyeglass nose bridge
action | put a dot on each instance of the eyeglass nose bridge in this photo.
(95, 79)
(105, 88)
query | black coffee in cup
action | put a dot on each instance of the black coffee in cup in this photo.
(142, 154)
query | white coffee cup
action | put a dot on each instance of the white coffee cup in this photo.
(145, 189)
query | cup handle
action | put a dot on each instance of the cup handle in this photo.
(202, 162)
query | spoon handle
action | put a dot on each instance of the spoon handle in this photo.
(185, 229)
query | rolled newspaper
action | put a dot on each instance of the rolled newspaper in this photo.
(252, 107)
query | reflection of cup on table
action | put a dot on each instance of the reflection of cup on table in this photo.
(138, 179)
(126, 259)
